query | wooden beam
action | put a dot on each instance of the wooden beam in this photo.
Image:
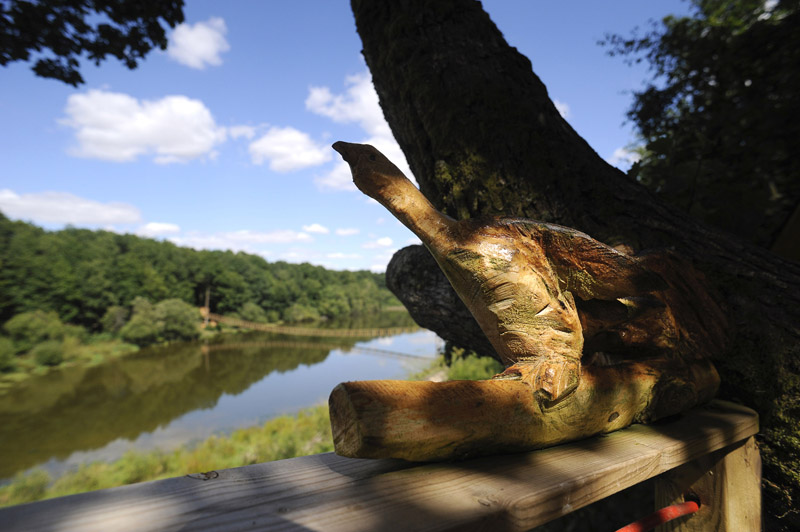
(726, 483)
(435, 421)
(328, 492)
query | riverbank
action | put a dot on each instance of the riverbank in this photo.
(77, 348)
(307, 432)
(304, 433)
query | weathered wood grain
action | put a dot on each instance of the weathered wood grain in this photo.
(429, 421)
(727, 484)
(328, 492)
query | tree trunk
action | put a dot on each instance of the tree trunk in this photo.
(483, 138)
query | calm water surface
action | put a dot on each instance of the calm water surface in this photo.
(170, 396)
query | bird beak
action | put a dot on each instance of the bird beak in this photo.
(344, 150)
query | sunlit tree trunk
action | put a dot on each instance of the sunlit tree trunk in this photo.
(483, 138)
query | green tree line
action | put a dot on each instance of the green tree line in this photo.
(142, 289)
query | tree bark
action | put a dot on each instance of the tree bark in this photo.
(483, 138)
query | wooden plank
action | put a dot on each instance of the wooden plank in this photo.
(727, 484)
(328, 492)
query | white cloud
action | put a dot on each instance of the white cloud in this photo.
(622, 158)
(117, 127)
(381, 260)
(247, 132)
(358, 104)
(281, 236)
(288, 149)
(243, 240)
(563, 109)
(379, 243)
(316, 228)
(347, 231)
(343, 255)
(153, 229)
(66, 208)
(339, 178)
(199, 45)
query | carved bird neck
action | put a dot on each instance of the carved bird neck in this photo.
(377, 177)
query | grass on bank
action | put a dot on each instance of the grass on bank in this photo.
(307, 432)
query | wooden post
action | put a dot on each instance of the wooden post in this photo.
(727, 483)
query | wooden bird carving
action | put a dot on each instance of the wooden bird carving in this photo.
(519, 278)
(594, 339)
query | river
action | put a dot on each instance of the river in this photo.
(174, 395)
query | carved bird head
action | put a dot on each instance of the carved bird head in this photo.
(373, 173)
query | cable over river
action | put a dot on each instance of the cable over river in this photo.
(376, 332)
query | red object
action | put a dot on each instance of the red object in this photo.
(662, 516)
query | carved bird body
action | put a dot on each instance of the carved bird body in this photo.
(519, 278)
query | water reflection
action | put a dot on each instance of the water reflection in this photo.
(170, 395)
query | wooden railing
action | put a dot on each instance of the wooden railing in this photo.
(708, 452)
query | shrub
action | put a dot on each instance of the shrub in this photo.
(7, 353)
(472, 367)
(29, 328)
(75, 331)
(252, 312)
(178, 320)
(168, 320)
(300, 312)
(114, 319)
(141, 330)
(28, 488)
(143, 327)
(48, 353)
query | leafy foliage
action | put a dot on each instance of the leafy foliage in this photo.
(69, 29)
(7, 353)
(48, 353)
(252, 312)
(470, 366)
(29, 328)
(720, 120)
(91, 278)
(166, 321)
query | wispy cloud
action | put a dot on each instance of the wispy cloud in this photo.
(358, 104)
(287, 149)
(347, 231)
(199, 45)
(563, 109)
(153, 229)
(378, 243)
(623, 158)
(65, 208)
(242, 240)
(117, 127)
(339, 255)
(247, 132)
(316, 228)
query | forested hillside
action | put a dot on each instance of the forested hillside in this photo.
(81, 274)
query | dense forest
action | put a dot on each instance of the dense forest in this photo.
(100, 281)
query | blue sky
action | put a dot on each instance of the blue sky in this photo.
(223, 141)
